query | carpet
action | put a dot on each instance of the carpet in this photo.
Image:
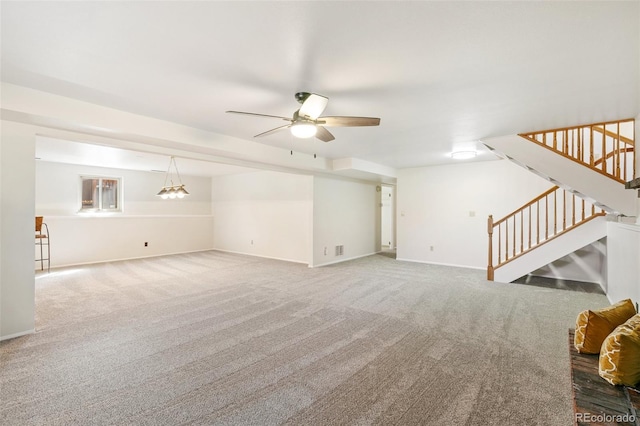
(217, 338)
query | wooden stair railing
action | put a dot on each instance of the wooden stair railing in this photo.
(607, 148)
(539, 221)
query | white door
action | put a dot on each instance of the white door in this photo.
(387, 218)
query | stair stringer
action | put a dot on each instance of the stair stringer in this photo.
(568, 174)
(561, 246)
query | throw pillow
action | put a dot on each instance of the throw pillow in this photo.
(619, 362)
(592, 327)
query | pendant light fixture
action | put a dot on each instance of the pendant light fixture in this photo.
(172, 191)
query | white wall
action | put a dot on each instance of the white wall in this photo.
(344, 213)
(442, 210)
(17, 283)
(168, 226)
(264, 214)
(58, 193)
(623, 261)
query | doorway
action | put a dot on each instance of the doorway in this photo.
(387, 219)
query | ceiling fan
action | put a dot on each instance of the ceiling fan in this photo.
(307, 122)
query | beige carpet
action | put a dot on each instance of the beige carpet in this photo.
(216, 338)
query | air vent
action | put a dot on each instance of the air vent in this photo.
(339, 250)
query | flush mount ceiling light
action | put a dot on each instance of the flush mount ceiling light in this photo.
(172, 191)
(463, 155)
(303, 129)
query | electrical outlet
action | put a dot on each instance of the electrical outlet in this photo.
(146, 244)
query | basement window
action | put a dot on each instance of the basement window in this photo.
(100, 194)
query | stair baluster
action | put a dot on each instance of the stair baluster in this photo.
(549, 218)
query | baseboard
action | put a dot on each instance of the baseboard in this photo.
(343, 260)
(20, 334)
(96, 262)
(261, 256)
(442, 264)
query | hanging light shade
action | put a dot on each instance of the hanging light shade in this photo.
(164, 193)
(181, 192)
(172, 190)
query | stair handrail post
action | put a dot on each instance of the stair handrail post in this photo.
(490, 263)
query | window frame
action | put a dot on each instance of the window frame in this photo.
(101, 208)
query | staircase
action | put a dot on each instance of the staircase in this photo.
(589, 165)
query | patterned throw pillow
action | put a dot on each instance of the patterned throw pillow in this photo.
(592, 327)
(619, 362)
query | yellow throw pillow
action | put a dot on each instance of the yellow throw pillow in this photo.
(592, 327)
(619, 362)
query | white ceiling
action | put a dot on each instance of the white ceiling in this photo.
(72, 152)
(438, 74)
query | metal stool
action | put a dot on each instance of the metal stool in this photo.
(42, 240)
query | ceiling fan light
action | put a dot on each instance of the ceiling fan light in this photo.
(303, 130)
(463, 155)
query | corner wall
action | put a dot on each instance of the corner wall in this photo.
(345, 213)
(443, 210)
(623, 268)
(17, 183)
(265, 214)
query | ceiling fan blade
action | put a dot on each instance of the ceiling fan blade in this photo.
(277, 129)
(258, 115)
(324, 135)
(313, 106)
(348, 121)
